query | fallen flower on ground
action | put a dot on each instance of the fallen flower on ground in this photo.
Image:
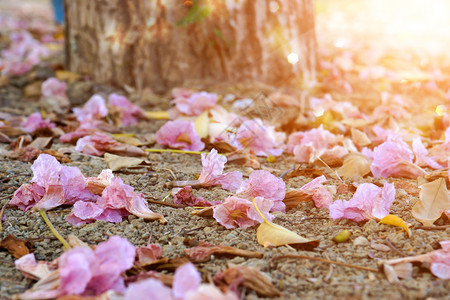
(237, 212)
(191, 104)
(211, 174)
(179, 134)
(99, 143)
(94, 108)
(421, 154)
(320, 195)
(129, 112)
(54, 94)
(184, 196)
(35, 122)
(263, 184)
(368, 202)
(394, 158)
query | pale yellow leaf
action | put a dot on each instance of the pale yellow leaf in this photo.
(201, 124)
(67, 76)
(159, 115)
(270, 234)
(360, 138)
(116, 162)
(433, 200)
(128, 139)
(355, 166)
(395, 221)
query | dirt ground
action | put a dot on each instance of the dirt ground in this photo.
(295, 278)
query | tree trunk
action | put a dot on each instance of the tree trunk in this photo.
(161, 44)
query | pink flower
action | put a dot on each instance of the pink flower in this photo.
(210, 291)
(192, 104)
(320, 195)
(184, 196)
(130, 112)
(151, 289)
(99, 143)
(27, 196)
(368, 202)
(238, 212)
(440, 261)
(30, 268)
(261, 139)
(394, 158)
(263, 184)
(179, 134)
(95, 108)
(186, 279)
(421, 154)
(35, 122)
(52, 87)
(213, 165)
(84, 271)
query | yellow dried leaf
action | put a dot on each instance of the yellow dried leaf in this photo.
(159, 115)
(360, 138)
(395, 221)
(201, 124)
(270, 234)
(271, 159)
(128, 139)
(67, 75)
(433, 200)
(355, 166)
(116, 162)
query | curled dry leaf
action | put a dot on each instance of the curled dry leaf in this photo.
(433, 201)
(294, 197)
(116, 162)
(395, 221)
(16, 247)
(355, 166)
(249, 278)
(203, 252)
(270, 234)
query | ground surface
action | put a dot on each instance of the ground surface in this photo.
(294, 277)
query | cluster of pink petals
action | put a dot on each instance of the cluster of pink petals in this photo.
(52, 87)
(394, 158)
(263, 140)
(321, 196)
(211, 174)
(264, 184)
(368, 202)
(52, 185)
(98, 143)
(118, 200)
(130, 112)
(94, 108)
(87, 127)
(239, 212)
(23, 53)
(186, 286)
(311, 145)
(179, 134)
(440, 261)
(421, 154)
(191, 104)
(35, 122)
(184, 196)
(344, 108)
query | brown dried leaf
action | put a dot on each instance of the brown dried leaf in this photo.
(204, 212)
(436, 174)
(355, 166)
(433, 200)
(42, 142)
(360, 138)
(130, 140)
(116, 162)
(33, 90)
(244, 158)
(294, 197)
(308, 172)
(408, 187)
(67, 76)
(203, 252)
(11, 131)
(4, 138)
(249, 278)
(58, 155)
(16, 247)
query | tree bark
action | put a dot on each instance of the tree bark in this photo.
(160, 44)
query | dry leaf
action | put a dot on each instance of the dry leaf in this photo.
(33, 90)
(403, 270)
(436, 174)
(16, 247)
(4, 138)
(201, 124)
(408, 187)
(433, 200)
(42, 143)
(248, 277)
(395, 221)
(158, 115)
(355, 166)
(270, 234)
(67, 76)
(308, 172)
(116, 162)
(11, 131)
(389, 271)
(360, 138)
(128, 139)
(204, 212)
(203, 252)
(293, 197)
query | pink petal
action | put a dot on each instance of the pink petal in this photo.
(35, 121)
(263, 184)
(46, 170)
(229, 181)
(53, 197)
(130, 112)
(148, 254)
(179, 134)
(27, 196)
(322, 198)
(421, 154)
(261, 139)
(194, 104)
(209, 291)
(52, 87)
(186, 279)
(36, 270)
(75, 270)
(184, 196)
(95, 108)
(151, 289)
(73, 183)
(84, 212)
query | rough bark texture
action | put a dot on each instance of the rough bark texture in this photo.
(160, 44)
